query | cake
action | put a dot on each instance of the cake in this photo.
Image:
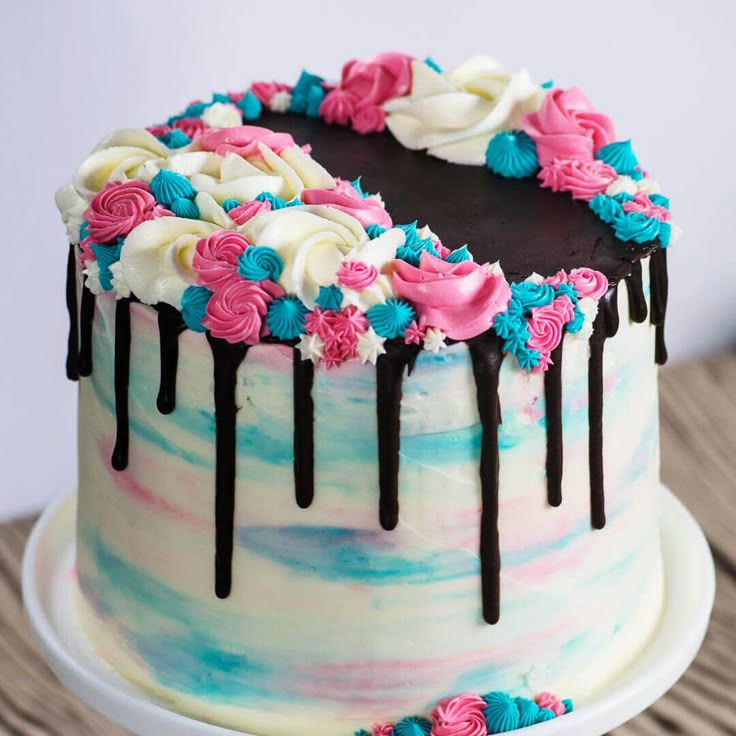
(368, 432)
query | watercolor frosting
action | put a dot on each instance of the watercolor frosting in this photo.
(342, 471)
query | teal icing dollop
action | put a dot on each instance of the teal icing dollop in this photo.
(530, 295)
(412, 253)
(528, 357)
(569, 706)
(285, 317)
(276, 202)
(410, 231)
(577, 321)
(501, 712)
(230, 204)
(665, 233)
(548, 84)
(355, 184)
(315, 96)
(106, 255)
(568, 290)
(413, 726)
(607, 208)
(220, 97)
(168, 186)
(528, 712)
(512, 154)
(636, 226)
(620, 155)
(459, 255)
(545, 714)
(660, 200)
(391, 318)
(260, 263)
(623, 197)
(375, 231)
(194, 302)
(250, 106)
(432, 64)
(182, 207)
(175, 139)
(330, 297)
(300, 94)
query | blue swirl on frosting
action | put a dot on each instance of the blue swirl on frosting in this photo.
(330, 297)
(183, 207)
(412, 253)
(391, 318)
(168, 186)
(636, 226)
(194, 303)
(285, 317)
(250, 106)
(607, 208)
(660, 200)
(459, 255)
(230, 204)
(620, 155)
(413, 726)
(175, 139)
(260, 263)
(512, 154)
(375, 231)
(501, 712)
(300, 95)
(106, 255)
(528, 712)
(530, 295)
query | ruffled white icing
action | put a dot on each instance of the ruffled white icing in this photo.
(312, 241)
(311, 347)
(622, 185)
(455, 115)
(280, 101)
(117, 279)
(649, 186)
(156, 258)
(370, 346)
(72, 207)
(210, 211)
(92, 280)
(222, 115)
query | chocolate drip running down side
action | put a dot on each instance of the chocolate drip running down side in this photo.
(122, 381)
(553, 409)
(72, 353)
(227, 359)
(638, 311)
(303, 430)
(86, 317)
(659, 286)
(487, 355)
(170, 326)
(389, 377)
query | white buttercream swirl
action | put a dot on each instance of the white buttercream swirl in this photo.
(222, 115)
(455, 115)
(72, 207)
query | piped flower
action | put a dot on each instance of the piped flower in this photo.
(512, 154)
(620, 155)
(194, 303)
(413, 726)
(462, 714)
(501, 713)
(117, 209)
(391, 318)
(258, 263)
(286, 317)
(528, 712)
(168, 186)
(330, 297)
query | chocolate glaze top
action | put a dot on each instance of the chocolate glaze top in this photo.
(515, 221)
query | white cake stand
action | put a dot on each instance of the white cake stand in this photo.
(48, 573)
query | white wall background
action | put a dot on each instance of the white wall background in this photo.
(73, 71)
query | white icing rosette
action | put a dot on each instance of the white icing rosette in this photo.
(72, 207)
(156, 258)
(313, 240)
(455, 115)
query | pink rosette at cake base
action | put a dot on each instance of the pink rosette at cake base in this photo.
(551, 702)
(546, 327)
(583, 179)
(215, 257)
(243, 140)
(461, 715)
(461, 299)
(378, 79)
(264, 91)
(567, 126)
(643, 204)
(346, 199)
(236, 310)
(117, 209)
(588, 283)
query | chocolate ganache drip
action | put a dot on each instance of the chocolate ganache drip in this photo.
(553, 408)
(122, 381)
(659, 288)
(170, 326)
(72, 353)
(638, 311)
(303, 430)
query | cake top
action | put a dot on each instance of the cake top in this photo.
(530, 208)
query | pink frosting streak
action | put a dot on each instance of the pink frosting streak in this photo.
(461, 299)
(246, 211)
(346, 199)
(546, 325)
(583, 179)
(117, 209)
(356, 275)
(461, 715)
(643, 204)
(567, 126)
(243, 140)
(588, 283)
(236, 310)
(215, 258)
(551, 702)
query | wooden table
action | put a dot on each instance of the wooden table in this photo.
(698, 463)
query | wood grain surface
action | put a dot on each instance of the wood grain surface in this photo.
(698, 463)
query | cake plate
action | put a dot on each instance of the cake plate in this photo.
(49, 579)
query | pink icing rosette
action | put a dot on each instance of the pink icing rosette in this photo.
(414, 334)
(382, 729)
(546, 325)
(583, 179)
(560, 277)
(159, 130)
(461, 299)
(643, 204)
(567, 126)
(346, 199)
(117, 209)
(215, 258)
(369, 119)
(264, 91)
(461, 715)
(338, 106)
(243, 140)
(551, 702)
(588, 283)
(236, 310)
(356, 275)
(191, 127)
(339, 331)
(247, 211)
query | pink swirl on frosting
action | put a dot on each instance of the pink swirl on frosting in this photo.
(356, 275)
(588, 283)
(245, 212)
(338, 106)
(264, 91)
(583, 179)
(191, 127)
(551, 702)
(461, 715)
(243, 140)
(159, 130)
(346, 199)
(382, 729)
(236, 310)
(643, 204)
(215, 258)
(461, 299)
(369, 119)
(117, 209)
(567, 126)
(546, 325)
(560, 277)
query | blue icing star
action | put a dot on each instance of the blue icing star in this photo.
(548, 84)
(577, 321)
(620, 155)
(300, 94)
(410, 231)
(413, 726)
(168, 186)
(175, 139)
(276, 202)
(459, 255)
(512, 154)
(106, 255)
(230, 204)
(260, 263)
(411, 253)
(568, 290)
(285, 317)
(375, 231)
(182, 207)
(391, 318)
(330, 297)
(194, 302)
(501, 712)
(528, 712)
(250, 106)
